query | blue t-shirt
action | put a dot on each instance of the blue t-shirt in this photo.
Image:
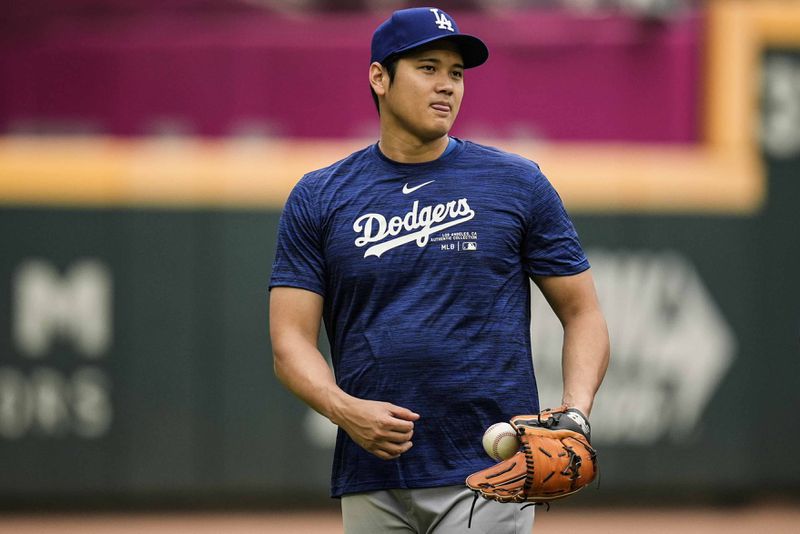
(424, 270)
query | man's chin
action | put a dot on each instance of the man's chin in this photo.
(435, 133)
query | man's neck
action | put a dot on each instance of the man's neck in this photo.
(407, 150)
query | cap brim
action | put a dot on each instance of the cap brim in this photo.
(473, 51)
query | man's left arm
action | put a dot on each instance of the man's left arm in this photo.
(585, 354)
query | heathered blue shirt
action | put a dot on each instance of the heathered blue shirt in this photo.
(424, 270)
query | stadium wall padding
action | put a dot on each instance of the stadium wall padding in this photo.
(272, 74)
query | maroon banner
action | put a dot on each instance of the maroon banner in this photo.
(550, 75)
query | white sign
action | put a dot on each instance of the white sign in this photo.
(47, 401)
(670, 347)
(780, 121)
(50, 403)
(74, 307)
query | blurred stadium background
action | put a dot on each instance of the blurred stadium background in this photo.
(148, 145)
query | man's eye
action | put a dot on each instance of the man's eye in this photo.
(458, 74)
(428, 68)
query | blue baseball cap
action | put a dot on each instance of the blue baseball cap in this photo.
(409, 28)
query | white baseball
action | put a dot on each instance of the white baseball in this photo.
(500, 441)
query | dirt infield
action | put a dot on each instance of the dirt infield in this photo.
(742, 520)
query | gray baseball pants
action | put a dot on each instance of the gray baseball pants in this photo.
(443, 510)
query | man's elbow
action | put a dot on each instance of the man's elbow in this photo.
(280, 352)
(591, 316)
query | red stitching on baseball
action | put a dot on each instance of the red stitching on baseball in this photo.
(497, 441)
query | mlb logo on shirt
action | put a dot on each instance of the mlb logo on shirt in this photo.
(469, 245)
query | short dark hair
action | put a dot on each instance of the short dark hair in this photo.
(390, 65)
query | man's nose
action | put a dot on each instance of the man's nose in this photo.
(444, 86)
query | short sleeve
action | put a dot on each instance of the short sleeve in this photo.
(551, 246)
(299, 259)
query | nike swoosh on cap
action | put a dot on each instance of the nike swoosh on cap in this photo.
(407, 190)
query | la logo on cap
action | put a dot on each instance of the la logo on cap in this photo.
(442, 21)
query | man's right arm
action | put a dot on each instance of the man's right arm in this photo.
(381, 428)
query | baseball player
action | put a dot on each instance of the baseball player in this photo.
(417, 253)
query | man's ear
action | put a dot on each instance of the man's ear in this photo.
(378, 78)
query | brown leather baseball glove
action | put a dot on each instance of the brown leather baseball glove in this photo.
(555, 460)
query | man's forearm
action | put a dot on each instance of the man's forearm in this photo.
(303, 370)
(381, 428)
(584, 359)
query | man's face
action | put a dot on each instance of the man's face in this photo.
(425, 95)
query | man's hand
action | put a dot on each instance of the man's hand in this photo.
(380, 428)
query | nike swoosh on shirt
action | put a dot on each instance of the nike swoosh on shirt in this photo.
(407, 190)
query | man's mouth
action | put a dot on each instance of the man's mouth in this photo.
(444, 108)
